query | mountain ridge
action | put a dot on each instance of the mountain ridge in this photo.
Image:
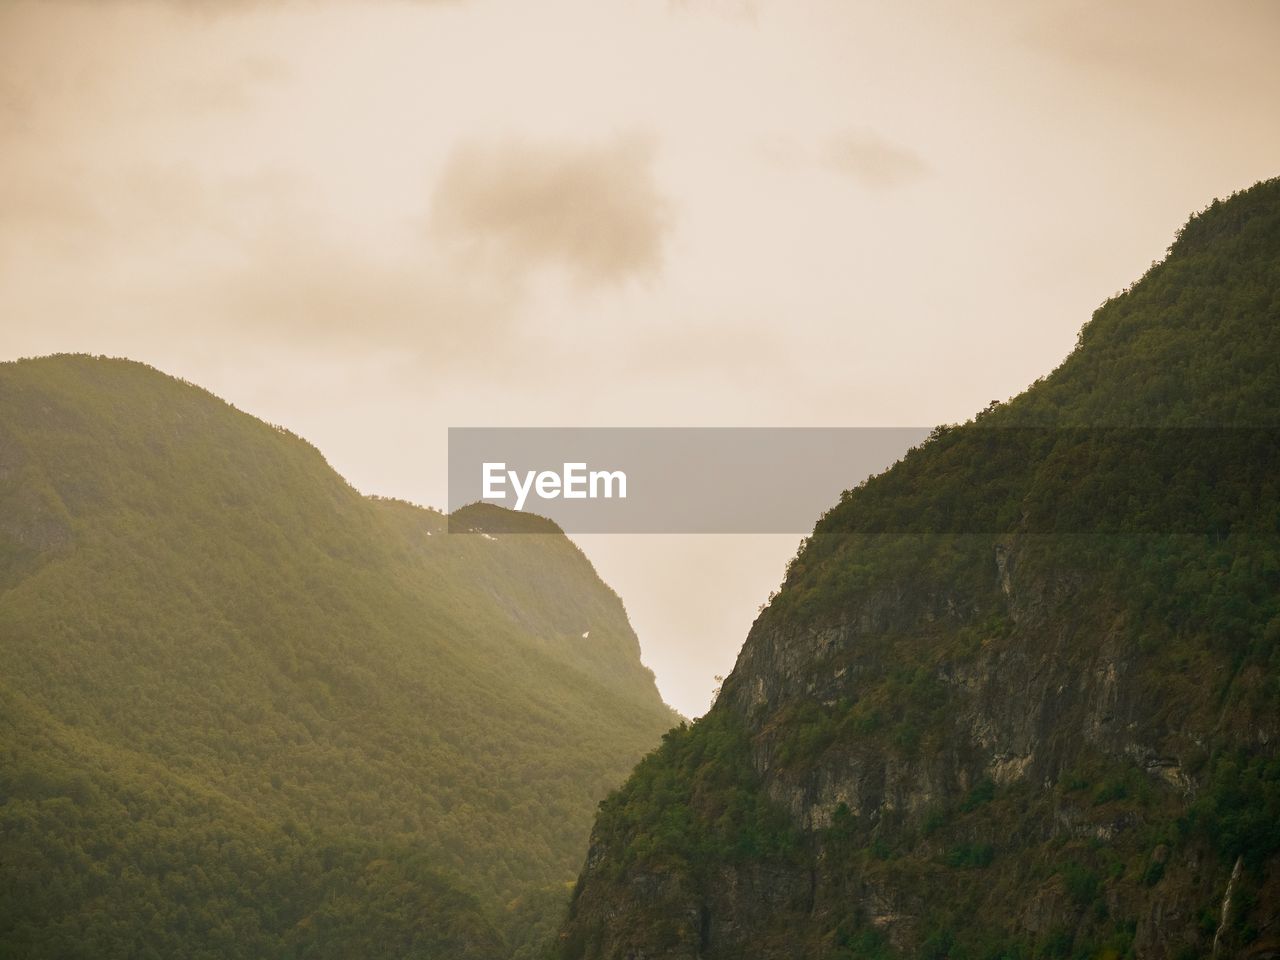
(1017, 696)
(362, 735)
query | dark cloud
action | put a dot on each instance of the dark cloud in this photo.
(873, 160)
(594, 210)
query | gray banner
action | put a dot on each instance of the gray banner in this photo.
(780, 480)
(669, 480)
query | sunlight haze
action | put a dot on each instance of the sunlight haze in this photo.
(371, 221)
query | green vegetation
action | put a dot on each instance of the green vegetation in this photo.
(694, 801)
(1023, 686)
(1239, 808)
(247, 712)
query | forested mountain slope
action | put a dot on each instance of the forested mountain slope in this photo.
(1019, 696)
(247, 712)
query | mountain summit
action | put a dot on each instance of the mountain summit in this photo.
(248, 712)
(1019, 695)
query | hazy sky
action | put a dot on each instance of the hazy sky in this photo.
(369, 221)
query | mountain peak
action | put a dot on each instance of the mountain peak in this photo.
(1017, 696)
(231, 680)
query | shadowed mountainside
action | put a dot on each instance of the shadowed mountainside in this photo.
(1019, 696)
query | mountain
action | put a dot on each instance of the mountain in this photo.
(1019, 695)
(247, 712)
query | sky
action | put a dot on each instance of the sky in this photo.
(371, 220)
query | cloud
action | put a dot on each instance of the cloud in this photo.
(323, 296)
(1177, 46)
(218, 7)
(734, 9)
(594, 210)
(160, 255)
(873, 160)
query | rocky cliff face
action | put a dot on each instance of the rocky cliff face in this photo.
(1020, 695)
